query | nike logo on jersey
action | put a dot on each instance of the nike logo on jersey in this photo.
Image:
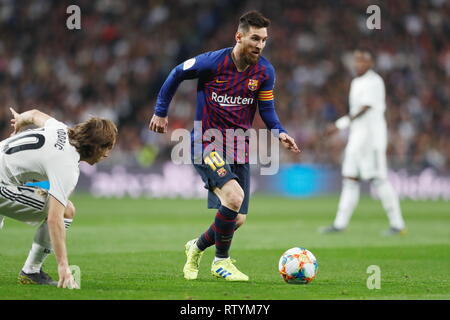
(221, 81)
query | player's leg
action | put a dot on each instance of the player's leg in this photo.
(347, 202)
(391, 205)
(28, 205)
(231, 196)
(207, 239)
(243, 173)
(220, 233)
(227, 196)
(224, 268)
(41, 248)
(349, 196)
(240, 220)
(388, 196)
(215, 174)
(69, 214)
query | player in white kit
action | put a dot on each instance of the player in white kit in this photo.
(51, 152)
(365, 153)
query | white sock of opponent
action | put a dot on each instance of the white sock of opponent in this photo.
(67, 223)
(347, 202)
(390, 202)
(41, 248)
(36, 258)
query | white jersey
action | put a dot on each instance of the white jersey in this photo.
(369, 130)
(42, 154)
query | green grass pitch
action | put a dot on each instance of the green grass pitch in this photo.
(134, 249)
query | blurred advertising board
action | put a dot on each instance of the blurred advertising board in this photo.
(168, 180)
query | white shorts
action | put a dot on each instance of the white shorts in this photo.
(25, 204)
(367, 165)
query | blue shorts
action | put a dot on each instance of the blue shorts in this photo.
(216, 173)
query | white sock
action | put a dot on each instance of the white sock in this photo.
(218, 259)
(40, 249)
(67, 223)
(36, 258)
(347, 203)
(390, 202)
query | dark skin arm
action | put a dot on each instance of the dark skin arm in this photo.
(331, 128)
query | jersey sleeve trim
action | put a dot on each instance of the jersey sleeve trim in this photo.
(265, 95)
(59, 199)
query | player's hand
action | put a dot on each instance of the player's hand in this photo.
(158, 124)
(288, 142)
(15, 121)
(330, 129)
(66, 279)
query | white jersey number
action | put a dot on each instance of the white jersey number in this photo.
(30, 141)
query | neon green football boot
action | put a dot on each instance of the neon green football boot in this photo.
(225, 269)
(193, 255)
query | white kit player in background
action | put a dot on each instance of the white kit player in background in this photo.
(51, 152)
(365, 153)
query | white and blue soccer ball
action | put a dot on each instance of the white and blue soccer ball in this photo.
(298, 266)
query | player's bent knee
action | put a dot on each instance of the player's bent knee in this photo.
(233, 200)
(240, 220)
(69, 213)
(231, 195)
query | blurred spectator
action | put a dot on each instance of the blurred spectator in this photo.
(114, 66)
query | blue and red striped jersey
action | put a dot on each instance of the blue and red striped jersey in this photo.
(226, 98)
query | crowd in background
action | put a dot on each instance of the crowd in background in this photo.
(114, 66)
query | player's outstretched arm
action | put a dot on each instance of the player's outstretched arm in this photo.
(344, 121)
(21, 120)
(57, 233)
(288, 142)
(158, 124)
(191, 69)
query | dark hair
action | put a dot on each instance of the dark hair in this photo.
(93, 136)
(254, 19)
(365, 51)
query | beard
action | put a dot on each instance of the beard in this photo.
(248, 57)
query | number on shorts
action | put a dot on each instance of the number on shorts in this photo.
(25, 145)
(214, 160)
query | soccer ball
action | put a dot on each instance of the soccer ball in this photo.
(298, 266)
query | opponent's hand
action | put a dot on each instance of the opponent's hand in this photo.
(15, 121)
(66, 279)
(288, 142)
(158, 124)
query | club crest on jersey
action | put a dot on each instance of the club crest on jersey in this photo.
(222, 172)
(252, 84)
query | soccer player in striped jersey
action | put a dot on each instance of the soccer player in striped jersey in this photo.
(51, 152)
(232, 84)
